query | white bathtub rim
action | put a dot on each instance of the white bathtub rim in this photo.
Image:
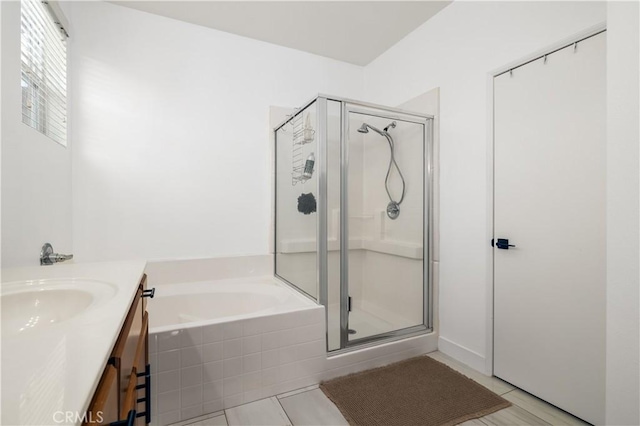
(225, 320)
(196, 288)
(261, 279)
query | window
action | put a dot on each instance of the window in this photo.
(44, 70)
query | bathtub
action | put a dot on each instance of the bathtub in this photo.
(220, 343)
(209, 302)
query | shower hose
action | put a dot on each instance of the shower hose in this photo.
(392, 162)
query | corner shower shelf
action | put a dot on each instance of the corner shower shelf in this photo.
(303, 134)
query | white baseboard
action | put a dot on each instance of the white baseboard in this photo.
(462, 354)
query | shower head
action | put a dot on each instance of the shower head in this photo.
(365, 128)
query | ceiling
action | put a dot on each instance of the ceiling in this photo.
(351, 31)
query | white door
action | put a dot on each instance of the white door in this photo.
(549, 290)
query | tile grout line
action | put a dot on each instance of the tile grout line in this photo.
(284, 411)
(460, 367)
(553, 407)
(296, 392)
(198, 419)
(542, 420)
(484, 423)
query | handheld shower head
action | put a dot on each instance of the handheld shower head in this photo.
(392, 125)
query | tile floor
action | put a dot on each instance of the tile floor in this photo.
(309, 406)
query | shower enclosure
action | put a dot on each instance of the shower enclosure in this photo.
(353, 217)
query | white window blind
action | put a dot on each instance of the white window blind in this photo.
(44, 70)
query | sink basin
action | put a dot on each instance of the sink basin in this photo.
(34, 305)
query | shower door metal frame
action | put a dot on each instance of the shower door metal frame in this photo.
(348, 106)
(426, 121)
(323, 228)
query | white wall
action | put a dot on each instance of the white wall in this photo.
(623, 333)
(36, 171)
(0, 136)
(455, 50)
(171, 124)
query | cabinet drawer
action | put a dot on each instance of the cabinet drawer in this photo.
(104, 405)
(124, 353)
(130, 394)
(141, 358)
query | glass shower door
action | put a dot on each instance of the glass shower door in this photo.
(383, 285)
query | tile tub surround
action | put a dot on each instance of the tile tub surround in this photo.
(205, 369)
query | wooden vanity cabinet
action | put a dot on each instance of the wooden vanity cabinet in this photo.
(104, 405)
(123, 394)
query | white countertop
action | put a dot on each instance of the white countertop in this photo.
(57, 368)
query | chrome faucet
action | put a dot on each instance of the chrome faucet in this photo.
(48, 257)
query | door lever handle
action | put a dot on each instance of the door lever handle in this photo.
(502, 243)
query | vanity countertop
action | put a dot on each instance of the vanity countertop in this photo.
(50, 372)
